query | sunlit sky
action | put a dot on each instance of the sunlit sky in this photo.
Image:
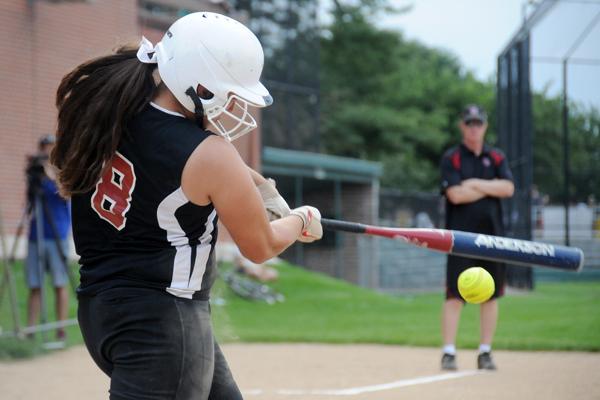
(474, 30)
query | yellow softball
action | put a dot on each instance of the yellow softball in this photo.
(475, 285)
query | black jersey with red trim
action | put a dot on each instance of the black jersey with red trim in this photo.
(460, 163)
(137, 228)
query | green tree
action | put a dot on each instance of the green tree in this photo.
(548, 154)
(389, 99)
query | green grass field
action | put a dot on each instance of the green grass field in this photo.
(317, 308)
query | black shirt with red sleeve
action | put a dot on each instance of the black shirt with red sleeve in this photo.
(484, 215)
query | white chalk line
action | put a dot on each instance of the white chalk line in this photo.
(368, 389)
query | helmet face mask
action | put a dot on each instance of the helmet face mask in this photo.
(221, 55)
(234, 119)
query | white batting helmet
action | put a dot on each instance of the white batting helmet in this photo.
(222, 55)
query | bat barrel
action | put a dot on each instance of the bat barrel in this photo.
(474, 245)
(516, 251)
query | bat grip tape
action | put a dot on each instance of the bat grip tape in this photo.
(333, 225)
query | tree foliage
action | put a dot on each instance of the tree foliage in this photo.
(548, 154)
(396, 101)
(389, 99)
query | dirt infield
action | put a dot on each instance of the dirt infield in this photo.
(316, 371)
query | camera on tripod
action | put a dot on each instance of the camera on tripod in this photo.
(35, 173)
(35, 169)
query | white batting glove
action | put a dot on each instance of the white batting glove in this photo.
(311, 223)
(275, 204)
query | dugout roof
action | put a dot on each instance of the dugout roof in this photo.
(276, 161)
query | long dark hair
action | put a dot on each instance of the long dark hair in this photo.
(95, 103)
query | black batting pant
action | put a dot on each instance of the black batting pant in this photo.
(155, 346)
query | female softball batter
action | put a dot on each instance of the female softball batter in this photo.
(148, 181)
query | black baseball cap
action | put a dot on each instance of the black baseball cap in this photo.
(46, 139)
(473, 112)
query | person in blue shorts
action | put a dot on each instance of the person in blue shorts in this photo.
(49, 255)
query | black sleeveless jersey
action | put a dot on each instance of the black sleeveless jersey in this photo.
(136, 228)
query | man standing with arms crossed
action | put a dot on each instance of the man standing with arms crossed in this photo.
(475, 176)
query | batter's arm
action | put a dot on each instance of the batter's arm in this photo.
(215, 173)
(256, 177)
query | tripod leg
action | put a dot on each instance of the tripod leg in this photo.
(20, 229)
(7, 276)
(9, 258)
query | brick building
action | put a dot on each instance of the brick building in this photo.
(43, 40)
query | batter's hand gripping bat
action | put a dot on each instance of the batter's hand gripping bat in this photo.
(473, 245)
